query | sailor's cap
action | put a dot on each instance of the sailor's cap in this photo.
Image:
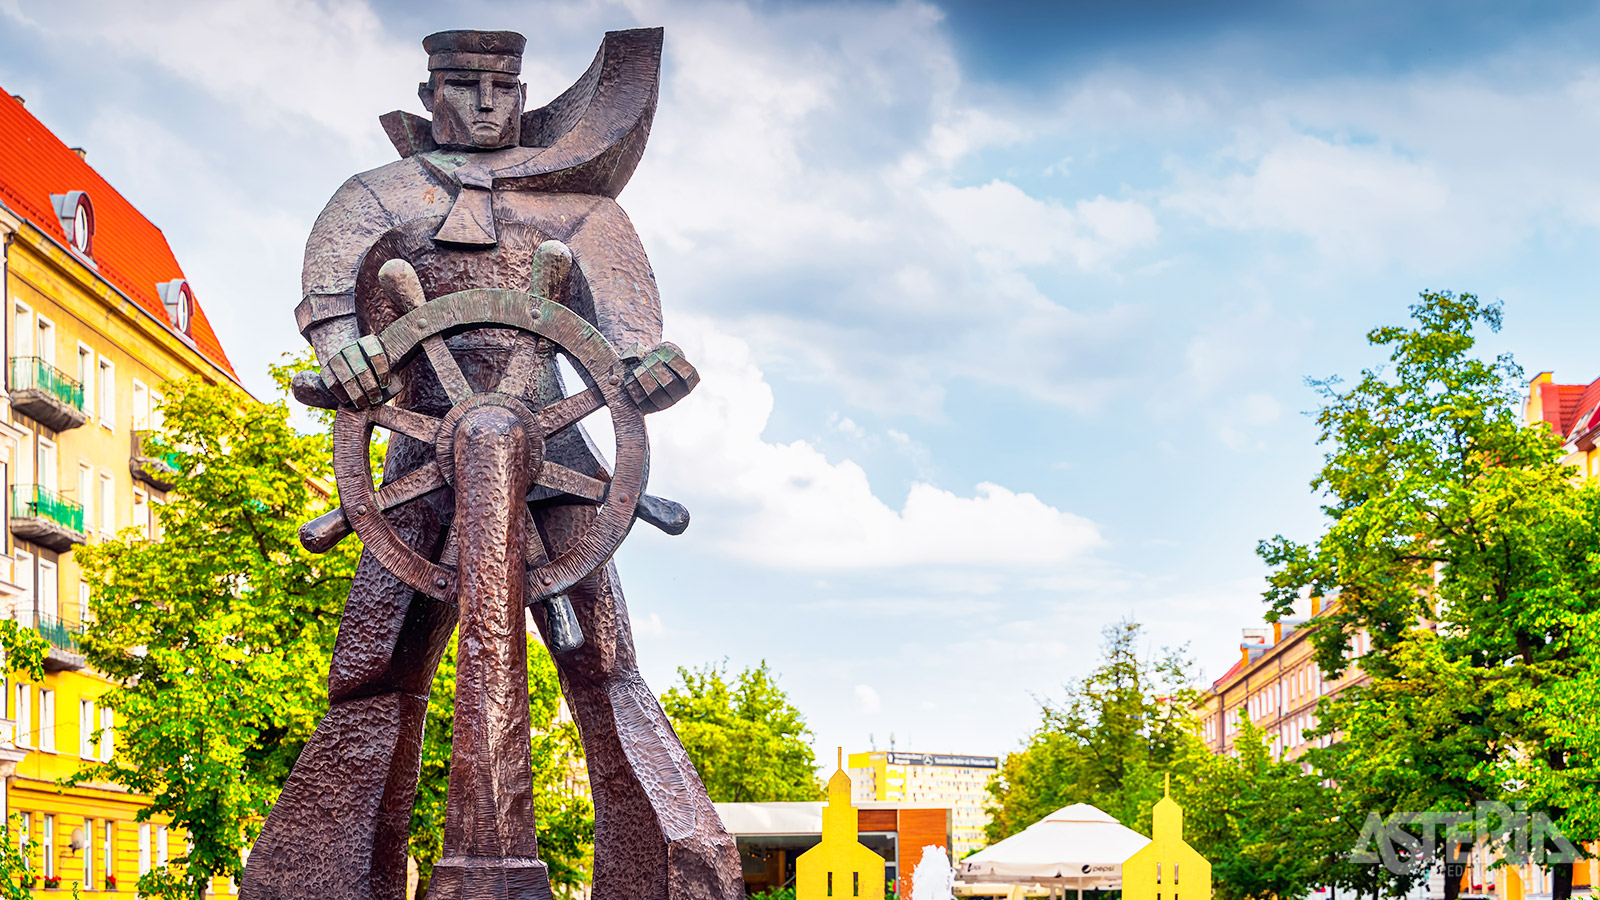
(478, 51)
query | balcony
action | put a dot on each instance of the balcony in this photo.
(46, 394)
(65, 654)
(48, 519)
(149, 466)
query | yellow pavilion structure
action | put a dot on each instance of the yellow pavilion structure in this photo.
(1167, 868)
(839, 866)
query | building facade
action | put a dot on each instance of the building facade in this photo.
(958, 783)
(98, 316)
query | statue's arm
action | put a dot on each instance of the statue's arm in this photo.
(619, 289)
(353, 367)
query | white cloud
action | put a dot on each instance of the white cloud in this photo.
(1009, 228)
(789, 506)
(868, 698)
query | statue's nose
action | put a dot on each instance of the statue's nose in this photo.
(486, 91)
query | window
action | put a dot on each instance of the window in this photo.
(86, 494)
(108, 851)
(83, 602)
(45, 471)
(47, 720)
(157, 419)
(24, 578)
(141, 511)
(47, 844)
(26, 823)
(76, 215)
(830, 884)
(88, 854)
(855, 884)
(22, 710)
(49, 595)
(85, 373)
(47, 340)
(22, 332)
(108, 393)
(86, 742)
(141, 406)
(108, 505)
(107, 736)
(144, 847)
(161, 845)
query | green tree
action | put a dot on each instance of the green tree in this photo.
(1109, 743)
(561, 804)
(746, 738)
(1444, 509)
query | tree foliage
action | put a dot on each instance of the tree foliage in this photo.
(1459, 542)
(1109, 743)
(217, 636)
(746, 738)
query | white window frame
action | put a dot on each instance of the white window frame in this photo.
(86, 743)
(84, 596)
(86, 494)
(86, 375)
(45, 335)
(47, 720)
(141, 510)
(24, 838)
(47, 845)
(144, 849)
(108, 742)
(141, 405)
(108, 852)
(158, 419)
(88, 854)
(47, 459)
(107, 386)
(161, 845)
(49, 589)
(22, 712)
(108, 504)
(22, 574)
(22, 323)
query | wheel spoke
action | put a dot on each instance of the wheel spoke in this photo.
(537, 554)
(451, 554)
(562, 413)
(407, 422)
(446, 367)
(567, 481)
(521, 370)
(409, 487)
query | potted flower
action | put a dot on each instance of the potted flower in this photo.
(51, 882)
(29, 881)
(111, 882)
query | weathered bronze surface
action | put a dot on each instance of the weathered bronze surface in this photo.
(439, 291)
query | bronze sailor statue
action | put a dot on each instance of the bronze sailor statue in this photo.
(439, 292)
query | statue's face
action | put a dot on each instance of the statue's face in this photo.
(474, 110)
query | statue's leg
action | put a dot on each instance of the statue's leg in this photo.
(339, 830)
(657, 836)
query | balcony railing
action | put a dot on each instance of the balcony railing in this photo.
(61, 635)
(30, 501)
(34, 373)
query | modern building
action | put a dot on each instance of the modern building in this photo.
(959, 783)
(772, 836)
(98, 316)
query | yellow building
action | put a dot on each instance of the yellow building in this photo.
(840, 865)
(1167, 868)
(958, 783)
(99, 315)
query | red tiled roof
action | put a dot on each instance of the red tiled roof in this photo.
(130, 252)
(1237, 667)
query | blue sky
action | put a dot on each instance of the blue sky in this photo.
(1004, 311)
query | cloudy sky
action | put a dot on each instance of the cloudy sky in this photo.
(1003, 311)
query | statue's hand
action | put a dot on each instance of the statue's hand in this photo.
(658, 377)
(359, 373)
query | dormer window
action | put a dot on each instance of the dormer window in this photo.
(179, 301)
(77, 220)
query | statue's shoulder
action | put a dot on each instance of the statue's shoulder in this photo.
(394, 180)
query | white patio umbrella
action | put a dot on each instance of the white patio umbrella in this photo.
(1076, 846)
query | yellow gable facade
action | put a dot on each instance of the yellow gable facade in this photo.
(840, 866)
(1167, 868)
